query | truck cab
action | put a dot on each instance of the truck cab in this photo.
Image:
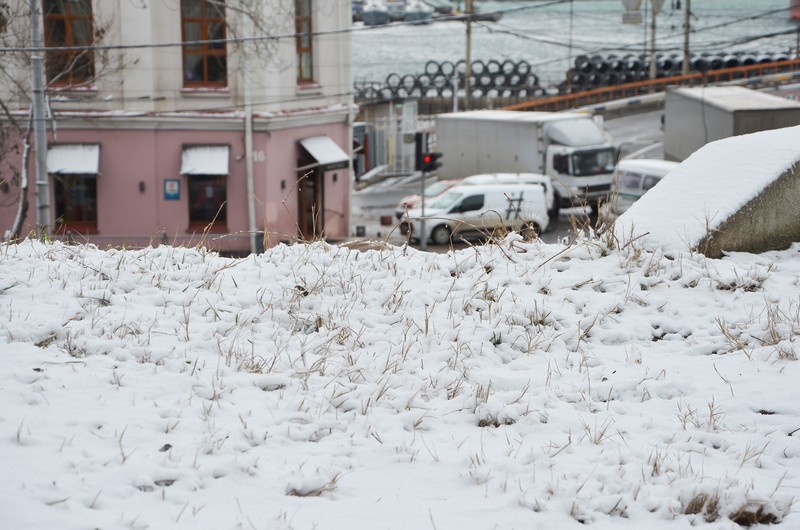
(580, 163)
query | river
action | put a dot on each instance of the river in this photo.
(550, 34)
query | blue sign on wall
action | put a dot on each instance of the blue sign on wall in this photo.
(172, 189)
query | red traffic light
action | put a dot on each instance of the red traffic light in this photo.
(430, 161)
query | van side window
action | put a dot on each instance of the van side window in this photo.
(649, 182)
(469, 204)
(631, 181)
(561, 163)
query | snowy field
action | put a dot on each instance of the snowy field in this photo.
(518, 385)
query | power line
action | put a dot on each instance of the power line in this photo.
(509, 31)
(242, 40)
(496, 28)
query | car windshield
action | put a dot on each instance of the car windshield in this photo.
(446, 200)
(594, 162)
(436, 188)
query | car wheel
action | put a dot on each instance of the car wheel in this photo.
(555, 211)
(441, 235)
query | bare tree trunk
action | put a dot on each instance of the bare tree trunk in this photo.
(22, 210)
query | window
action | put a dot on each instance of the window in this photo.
(207, 200)
(206, 167)
(594, 162)
(204, 63)
(446, 200)
(76, 202)
(470, 204)
(68, 23)
(74, 169)
(631, 181)
(650, 181)
(305, 42)
(561, 164)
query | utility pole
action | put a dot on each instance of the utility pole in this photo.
(423, 237)
(686, 20)
(39, 131)
(797, 45)
(653, 42)
(248, 144)
(468, 60)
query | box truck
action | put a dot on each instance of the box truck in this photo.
(695, 116)
(569, 147)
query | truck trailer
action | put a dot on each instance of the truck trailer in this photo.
(569, 147)
(695, 116)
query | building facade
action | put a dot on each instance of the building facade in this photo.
(190, 122)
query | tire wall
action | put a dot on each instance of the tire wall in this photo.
(440, 79)
(495, 79)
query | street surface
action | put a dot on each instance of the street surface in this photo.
(637, 135)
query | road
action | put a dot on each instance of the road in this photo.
(637, 135)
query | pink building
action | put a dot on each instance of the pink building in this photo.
(185, 123)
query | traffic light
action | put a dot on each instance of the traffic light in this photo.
(420, 142)
(430, 161)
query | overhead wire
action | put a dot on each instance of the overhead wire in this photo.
(495, 27)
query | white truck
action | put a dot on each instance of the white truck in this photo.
(569, 147)
(695, 116)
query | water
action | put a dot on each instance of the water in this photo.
(550, 34)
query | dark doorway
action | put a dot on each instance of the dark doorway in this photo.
(316, 156)
(311, 203)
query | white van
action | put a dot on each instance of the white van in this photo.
(473, 210)
(634, 176)
(440, 186)
(515, 178)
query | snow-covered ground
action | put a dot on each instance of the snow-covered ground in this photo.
(515, 385)
(605, 382)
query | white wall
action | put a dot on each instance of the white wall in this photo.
(150, 79)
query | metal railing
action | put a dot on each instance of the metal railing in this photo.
(774, 73)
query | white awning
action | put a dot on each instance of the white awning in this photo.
(325, 151)
(205, 160)
(76, 159)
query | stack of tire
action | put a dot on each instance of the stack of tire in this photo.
(440, 79)
(596, 71)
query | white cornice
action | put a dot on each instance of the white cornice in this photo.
(198, 121)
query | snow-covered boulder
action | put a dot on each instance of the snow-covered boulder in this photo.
(737, 194)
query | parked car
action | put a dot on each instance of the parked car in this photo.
(409, 202)
(478, 210)
(634, 176)
(514, 178)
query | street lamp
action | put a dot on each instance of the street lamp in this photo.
(655, 6)
(633, 15)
